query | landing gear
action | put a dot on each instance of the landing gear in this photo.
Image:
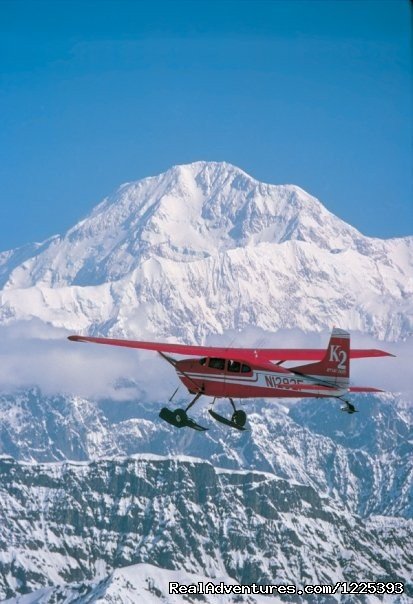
(237, 420)
(179, 417)
(239, 417)
(348, 407)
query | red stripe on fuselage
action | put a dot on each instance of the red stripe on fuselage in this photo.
(223, 389)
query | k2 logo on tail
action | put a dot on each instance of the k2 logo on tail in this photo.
(339, 356)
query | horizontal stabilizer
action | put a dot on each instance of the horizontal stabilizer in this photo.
(364, 389)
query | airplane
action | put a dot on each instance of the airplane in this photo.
(244, 373)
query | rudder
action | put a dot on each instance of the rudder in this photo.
(334, 367)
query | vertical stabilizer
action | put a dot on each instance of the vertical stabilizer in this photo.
(334, 367)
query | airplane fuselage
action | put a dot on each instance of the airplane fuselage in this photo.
(236, 379)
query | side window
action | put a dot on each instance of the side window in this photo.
(234, 366)
(202, 361)
(245, 368)
(217, 364)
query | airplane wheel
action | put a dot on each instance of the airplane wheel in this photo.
(180, 416)
(239, 417)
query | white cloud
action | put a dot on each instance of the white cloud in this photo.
(33, 353)
(392, 374)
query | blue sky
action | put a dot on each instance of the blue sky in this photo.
(94, 94)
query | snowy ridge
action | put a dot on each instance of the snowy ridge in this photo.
(358, 491)
(365, 465)
(81, 522)
(137, 583)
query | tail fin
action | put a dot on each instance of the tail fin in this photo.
(334, 367)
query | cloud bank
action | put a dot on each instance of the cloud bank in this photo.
(35, 354)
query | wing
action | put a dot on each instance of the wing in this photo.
(246, 354)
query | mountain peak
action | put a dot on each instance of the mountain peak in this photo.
(189, 212)
(205, 247)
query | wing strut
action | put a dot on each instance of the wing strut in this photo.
(172, 362)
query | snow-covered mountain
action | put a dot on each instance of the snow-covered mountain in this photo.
(69, 522)
(364, 463)
(138, 583)
(307, 494)
(75, 522)
(203, 248)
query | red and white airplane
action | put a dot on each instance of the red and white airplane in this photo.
(252, 372)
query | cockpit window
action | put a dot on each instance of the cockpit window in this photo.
(202, 361)
(234, 366)
(216, 363)
(245, 368)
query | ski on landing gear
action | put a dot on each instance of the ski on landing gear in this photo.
(237, 420)
(179, 417)
(227, 422)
